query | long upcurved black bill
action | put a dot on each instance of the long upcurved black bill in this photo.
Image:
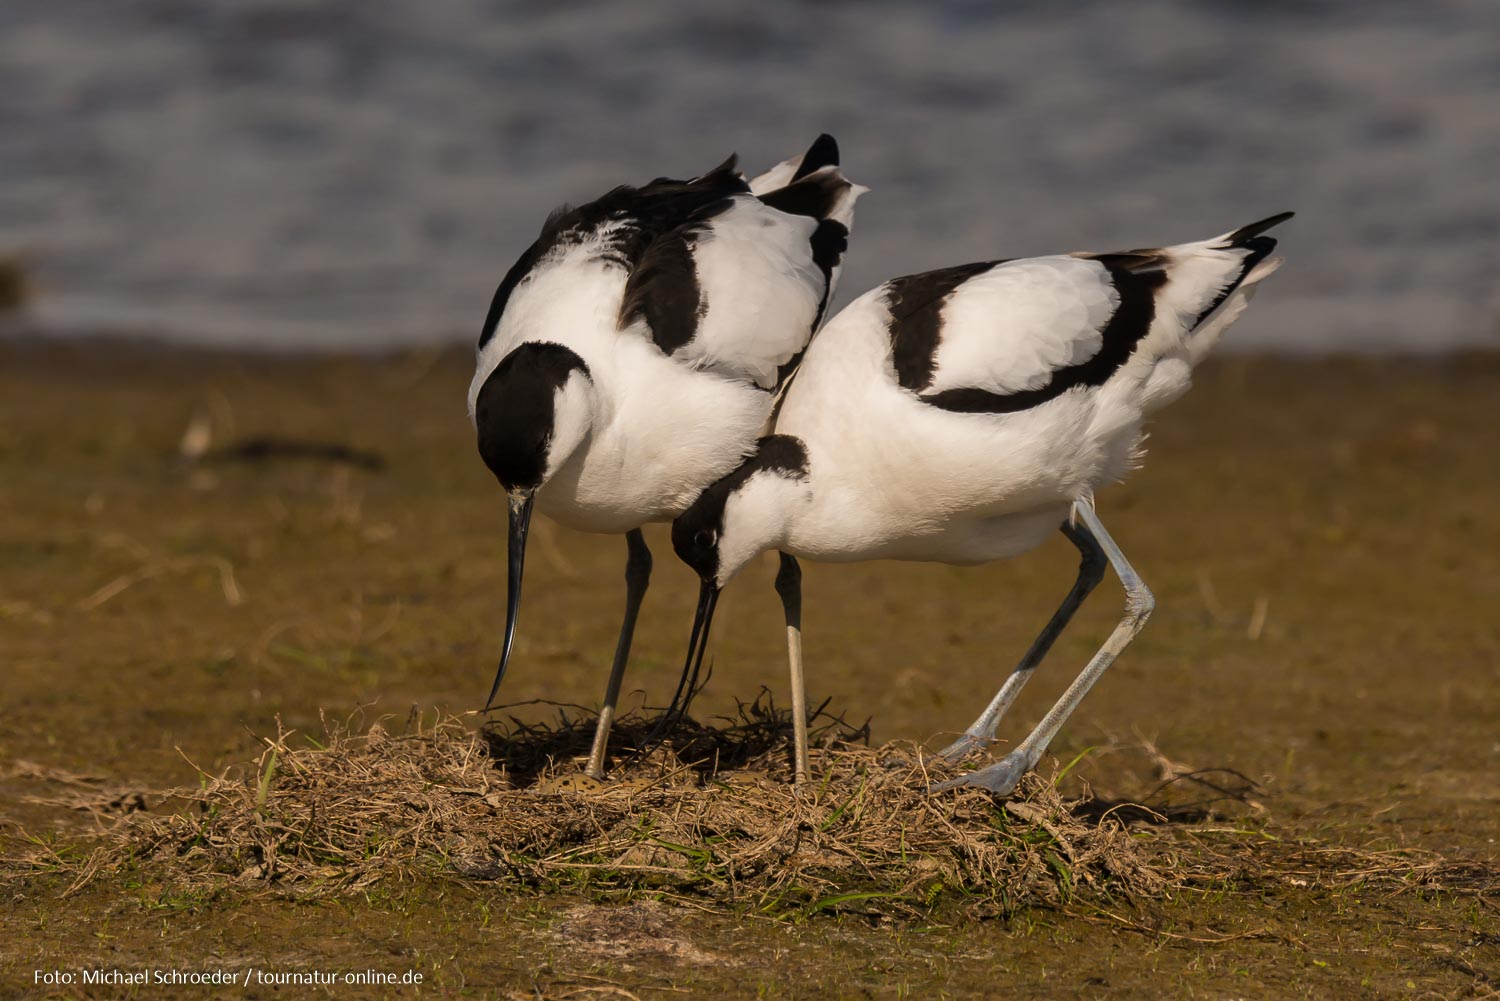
(687, 685)
(520, 521)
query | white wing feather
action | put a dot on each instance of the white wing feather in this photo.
(778, 176)
(760, 288)
(1008, 329)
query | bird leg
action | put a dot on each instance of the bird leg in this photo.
(637, 578)
(789, 586)
(1003, 775)
(1090, 573)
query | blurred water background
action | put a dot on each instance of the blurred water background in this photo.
(359, 173)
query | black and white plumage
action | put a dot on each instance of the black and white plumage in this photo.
(631, 355)
(962, 416)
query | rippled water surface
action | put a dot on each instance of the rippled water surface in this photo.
(327, 173)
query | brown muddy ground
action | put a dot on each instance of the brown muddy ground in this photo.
(1321, 537)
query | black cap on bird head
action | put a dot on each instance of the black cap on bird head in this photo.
(516, 414)
(698, 534)
(530, 414)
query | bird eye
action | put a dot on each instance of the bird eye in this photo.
(705, 538)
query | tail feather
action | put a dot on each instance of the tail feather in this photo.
(1208, 285)
(813, 185)
(1245, 235)
(1256, 265)
(1249, 270)
(824, 152)
(827, 196)
(823, 194)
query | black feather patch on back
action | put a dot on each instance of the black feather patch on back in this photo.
(1136, 276)
(663, 291)
(663, 288)
(915, 303)
(829, 243)
(638, 216)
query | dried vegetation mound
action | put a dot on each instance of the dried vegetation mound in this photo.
(711, 815)
(710, 818)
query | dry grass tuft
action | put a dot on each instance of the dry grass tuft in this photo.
(713, 817)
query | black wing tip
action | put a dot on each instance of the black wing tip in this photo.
(824, 152)
(1242, 236)
(817, 196)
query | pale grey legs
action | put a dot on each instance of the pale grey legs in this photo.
(789, 586)
(1003, 775)
(637, 578)
(1090, 572)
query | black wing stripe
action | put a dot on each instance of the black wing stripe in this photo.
(829, 242)
(1137, 283)
(916, 324)
(641, 215)
(664, 291)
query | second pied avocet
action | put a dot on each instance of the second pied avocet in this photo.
(962, 416)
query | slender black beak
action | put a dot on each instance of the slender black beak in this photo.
(687, 685)
(520, 521)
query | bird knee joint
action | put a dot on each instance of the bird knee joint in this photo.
(1139, 605)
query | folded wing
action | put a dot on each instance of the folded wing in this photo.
(741, 286)
(1004, 336)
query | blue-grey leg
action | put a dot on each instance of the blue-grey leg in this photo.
(637, 579)
(789, 587)
(1003, 775)
(1090, 572)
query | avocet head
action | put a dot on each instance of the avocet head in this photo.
(531, 412)
(733, 521)
(743, 514)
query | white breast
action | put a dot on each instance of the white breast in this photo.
(662, 433)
